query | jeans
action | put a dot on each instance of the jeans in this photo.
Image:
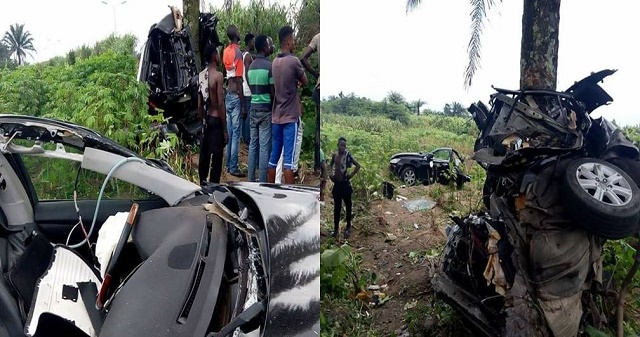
(211, 151)
(233, 129)
(260, 145)
(245, 124)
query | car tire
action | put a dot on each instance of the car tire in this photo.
(408, 175)
(608, 210)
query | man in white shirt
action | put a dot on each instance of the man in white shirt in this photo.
(247, 59)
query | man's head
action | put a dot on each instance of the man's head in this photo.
(233, 33)
(211, 54)
(249, 41)
(342, 145)
(262, 45)
(285, 37)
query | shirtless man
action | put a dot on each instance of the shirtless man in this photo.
(341, 161)
(212, 112)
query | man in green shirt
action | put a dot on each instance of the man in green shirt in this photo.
(260, 78)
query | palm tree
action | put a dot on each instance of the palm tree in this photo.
(19, 41)
(416, 105)
(539, 46)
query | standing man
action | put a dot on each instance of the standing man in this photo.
(211, 110)
(288, 75)
(247, 58)
(296, 156)
(235, 101)
(341, 162)
(314, 47)
(260, 81)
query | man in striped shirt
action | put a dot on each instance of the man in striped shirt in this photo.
(260, 80)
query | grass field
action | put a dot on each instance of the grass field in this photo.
(399, 249)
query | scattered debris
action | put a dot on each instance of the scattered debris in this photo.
(416, 226)
(375, 295)
(411, 305)
(390, 237)
(401, 198)
(388, 213)
(421, 204)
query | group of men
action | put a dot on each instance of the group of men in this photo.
(259, 93)
(264, 95)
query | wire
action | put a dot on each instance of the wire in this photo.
(69, 236)
(104, 185)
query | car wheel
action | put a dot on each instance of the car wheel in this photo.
(602, 198)
(408, 175)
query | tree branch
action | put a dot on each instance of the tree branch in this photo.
(625, 288)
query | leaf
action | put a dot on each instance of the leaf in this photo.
(335, 256)
(593, 332)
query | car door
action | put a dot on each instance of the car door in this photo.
(51, 182)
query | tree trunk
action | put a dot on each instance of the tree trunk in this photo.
(192, 19)
(539, 50)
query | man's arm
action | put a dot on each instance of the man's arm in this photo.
(200, 106)
(239, 88)
(301, 75)
(222, 109)
(247, 63)
(355, 170)
(305, 61)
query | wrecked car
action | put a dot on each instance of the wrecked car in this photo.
(430, 167)
(559, 184)
(168, 65)
(150, 254)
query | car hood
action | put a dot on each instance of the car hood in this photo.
(291, 214)
(589, 92)
(100, 154)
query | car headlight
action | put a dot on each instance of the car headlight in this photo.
(394, 161)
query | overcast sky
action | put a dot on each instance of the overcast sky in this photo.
(56, 28)
(372, 49)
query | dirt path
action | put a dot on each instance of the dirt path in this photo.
(400, 247)
(306, 176)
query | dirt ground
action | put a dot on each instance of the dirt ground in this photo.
(399, 246)
(306, 176)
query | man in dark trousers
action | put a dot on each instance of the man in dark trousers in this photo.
(260, 78)
(211, 110)
(288, 76)
(341, 162)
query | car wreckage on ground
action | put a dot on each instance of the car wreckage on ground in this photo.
(443, 165)
(559, 184)
(180, 260)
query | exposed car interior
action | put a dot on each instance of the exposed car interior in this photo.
(182, 258)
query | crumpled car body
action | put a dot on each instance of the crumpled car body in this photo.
(200, 261)
(429, 167)
(532, 263)
(168, 65)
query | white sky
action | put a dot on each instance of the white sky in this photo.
(372, 49)
(56, 28)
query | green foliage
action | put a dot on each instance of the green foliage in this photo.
(341, 278)
(99, 91)
(258, 17)
(374, 139)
